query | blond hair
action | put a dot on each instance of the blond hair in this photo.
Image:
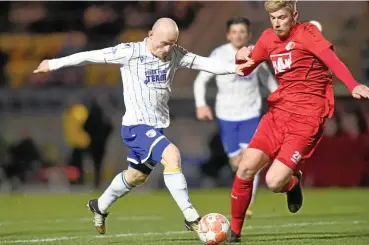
(275, 5)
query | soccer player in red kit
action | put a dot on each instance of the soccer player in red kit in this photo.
(290, 131)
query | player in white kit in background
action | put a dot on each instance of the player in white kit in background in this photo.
(147, 70)
(238, 101)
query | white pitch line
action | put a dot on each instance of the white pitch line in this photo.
(81, 220)
(50, 239)
(288, 225)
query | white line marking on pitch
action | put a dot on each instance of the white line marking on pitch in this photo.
(53, 239)
(82, 220)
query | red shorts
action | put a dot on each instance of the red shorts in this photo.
(288, 137)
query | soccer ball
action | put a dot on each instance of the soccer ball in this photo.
(213, 229)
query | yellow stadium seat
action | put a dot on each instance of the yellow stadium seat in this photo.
(94, 74)
(132, 35)
(112, 75)
(102, 75)
(6, 42)
(19, 71)
(47, 45)
(16, 45)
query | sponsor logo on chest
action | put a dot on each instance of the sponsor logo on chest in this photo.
(281, 62)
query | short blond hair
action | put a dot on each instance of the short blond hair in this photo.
(275, 5)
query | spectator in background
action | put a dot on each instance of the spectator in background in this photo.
(23, 14)
(22, 157)
(101, 25)
(74, 118)
(140, 14)
(184, 13)
(99, 127)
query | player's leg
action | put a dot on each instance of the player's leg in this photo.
(141, 141)
(122, 184)
(246, 130)
(284, 175)
(229, 136)
(262, 147)
(252, 161)
(281, 178)
(176, 183)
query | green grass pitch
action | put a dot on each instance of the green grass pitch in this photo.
(329, 216)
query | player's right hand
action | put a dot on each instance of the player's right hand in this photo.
(244, 53)
(239, 69)
(43, 67)
(204, 113)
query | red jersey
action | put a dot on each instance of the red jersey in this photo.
(305, 82)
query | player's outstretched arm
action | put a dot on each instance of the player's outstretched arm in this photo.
(193, 61)
(339, 69)
(113, 55)
(316, 43)
(212, 65)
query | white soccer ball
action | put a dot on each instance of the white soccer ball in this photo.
(214, 229)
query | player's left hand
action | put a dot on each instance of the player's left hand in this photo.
(360, 91)
(43, 67)
(239, 68)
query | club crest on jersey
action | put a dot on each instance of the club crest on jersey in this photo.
(281, 62)
(290, 46)
(151, 133)
(157, 75)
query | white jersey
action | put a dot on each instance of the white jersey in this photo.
(238, 97)
(146, 79)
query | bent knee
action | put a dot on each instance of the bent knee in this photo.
(135, 177)
(246, 171)
(274, 182)
(171, 158)
(250, 164)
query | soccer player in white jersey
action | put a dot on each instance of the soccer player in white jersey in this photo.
(238, 101)
(147, 70)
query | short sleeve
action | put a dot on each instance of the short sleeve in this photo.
(313, 40)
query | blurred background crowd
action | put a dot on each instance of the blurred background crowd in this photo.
(62, 129)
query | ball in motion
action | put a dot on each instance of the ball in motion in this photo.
(214, 229)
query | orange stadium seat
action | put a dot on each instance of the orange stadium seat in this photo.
(112, 75)
(16, 45)
(47, 45)
(102, 75)
(132, 35)
(19, 71)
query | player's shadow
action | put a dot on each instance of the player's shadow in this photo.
(303, 236)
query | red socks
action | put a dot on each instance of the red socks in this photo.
(240, 201)
(290, 184)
